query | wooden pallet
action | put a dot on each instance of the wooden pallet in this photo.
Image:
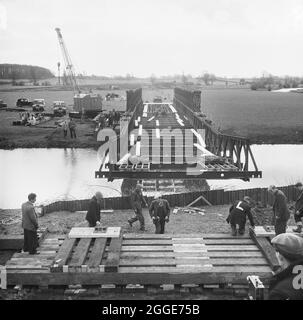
(88, 255)
(146, 259)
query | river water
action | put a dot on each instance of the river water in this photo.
(57, 174)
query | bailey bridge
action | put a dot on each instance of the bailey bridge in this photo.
(175, 140)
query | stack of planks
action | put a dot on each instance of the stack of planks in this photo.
(145, 259)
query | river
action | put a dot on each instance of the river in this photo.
(57, 174)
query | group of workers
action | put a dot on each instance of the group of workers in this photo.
(241, 209)
(71, 125)
(159, 210)
(110, 119)
(29, 119)
(288, 246)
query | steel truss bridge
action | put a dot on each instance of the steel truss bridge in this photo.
(174, 140)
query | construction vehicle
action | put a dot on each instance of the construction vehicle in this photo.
(59, 108)
(23, 102)
(2, 104)
(88, 103)
(38, 105)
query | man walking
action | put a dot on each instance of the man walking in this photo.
(237, 215)
(72, 128)
(30, 225)
(298, 214)
(93, 216)
(136, 201)
(281, 212)
(159, 210)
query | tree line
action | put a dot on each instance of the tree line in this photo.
(18, 71)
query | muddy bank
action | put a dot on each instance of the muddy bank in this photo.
(213, 220)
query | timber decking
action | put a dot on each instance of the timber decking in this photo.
(148, 259)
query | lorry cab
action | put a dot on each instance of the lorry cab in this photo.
(38, 105)
(59, 108)
(23, 102)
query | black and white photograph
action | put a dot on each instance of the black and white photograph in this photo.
(151, 153)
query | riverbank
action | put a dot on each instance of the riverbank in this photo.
(50, 135)
(45, 135)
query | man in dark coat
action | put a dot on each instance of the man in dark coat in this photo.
(287, 283)
(137, 200)
(281, 211)
(30, 225)
(159, 210)
(93, 214)
(237, 215)
(298, 214)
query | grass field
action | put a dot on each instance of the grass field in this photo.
(262, 116)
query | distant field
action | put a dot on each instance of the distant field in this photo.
(262, 116)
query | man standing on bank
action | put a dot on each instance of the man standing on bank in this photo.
(159, 210)
(30, 225)
(281, 211)
(237, 215)
(136, 201)
(298, 214)
(93, 214)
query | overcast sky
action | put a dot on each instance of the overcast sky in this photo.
(111, 37)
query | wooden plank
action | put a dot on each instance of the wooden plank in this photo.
(154, 242)
(267, 250)
(64, 253)
(191, 261)
(228, 269)
(146, 248)
(213, 275)
(218, 254)
(147, 242)
(81, 250)
(96, 254)
(113, 258)
(129, 236)
(232, 248)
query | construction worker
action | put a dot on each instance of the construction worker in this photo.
(237, 215)
(298, 214)
(281, 211)
(159, 211)
(72, 128)
(137, 200)
(93, 216)
(30, 225)
(287, 283)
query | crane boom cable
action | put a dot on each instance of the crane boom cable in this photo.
(68, 62)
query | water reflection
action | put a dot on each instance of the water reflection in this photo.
(54, 174)
(57, 174)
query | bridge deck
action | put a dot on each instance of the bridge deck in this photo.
(145, 259)
(167, 147)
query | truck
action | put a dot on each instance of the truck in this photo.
(2, 104)
(23, 102)
(38, 105)
(59, 108)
